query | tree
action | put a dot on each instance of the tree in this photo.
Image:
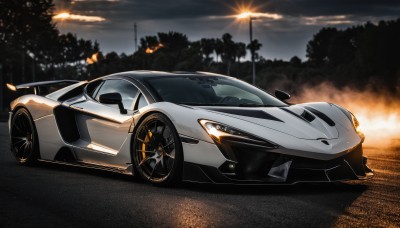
(240, 50)
(295, 61)
(27, 27)
(318, 47)
(219, 48)
(254, 46)
(148, 42)
(207, 48)
(229, 53)
(173, 41)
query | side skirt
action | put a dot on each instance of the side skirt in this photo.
(127, 171)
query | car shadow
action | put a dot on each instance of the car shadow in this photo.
(299, 188)
(303, 204)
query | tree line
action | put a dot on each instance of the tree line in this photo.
(33, 49)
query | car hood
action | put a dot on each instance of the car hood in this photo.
(300, 121)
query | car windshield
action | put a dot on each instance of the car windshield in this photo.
(210, 91)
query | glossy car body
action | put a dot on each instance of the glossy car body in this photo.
(282, 144)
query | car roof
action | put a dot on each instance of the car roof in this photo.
(142, 74)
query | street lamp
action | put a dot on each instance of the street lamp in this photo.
(252, 49)
(251, 18)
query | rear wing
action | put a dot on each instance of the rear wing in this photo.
(41, 88)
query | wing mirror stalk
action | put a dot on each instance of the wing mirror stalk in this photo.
(113, 98)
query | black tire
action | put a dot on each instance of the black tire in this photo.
(23, 137)
(157, 151)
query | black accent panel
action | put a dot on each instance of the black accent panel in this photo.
(356, 161)
(247, 112)
(321, 115)
(189, 140)
(65, 155)
(253, 163)
(295, 114)
(66, 123)
(306, 175)
(192, 172)
(308, 116)
(342, 172)
(253, 167)
(325, 142)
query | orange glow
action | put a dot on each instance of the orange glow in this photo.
(92, 59)
(62, 16)
(151, 50)
(250, 11)
(11, 87)
(248, 14)
(244, 15)
(68, 16)
(378, 114)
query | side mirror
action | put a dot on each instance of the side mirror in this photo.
(113, 98)
(282, 95)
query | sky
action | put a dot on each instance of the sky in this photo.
(282, 26)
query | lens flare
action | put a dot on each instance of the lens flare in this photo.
(74, 17)
(244, 15)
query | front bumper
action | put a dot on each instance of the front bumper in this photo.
(255, 166)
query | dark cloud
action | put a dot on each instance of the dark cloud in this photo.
(281, 38)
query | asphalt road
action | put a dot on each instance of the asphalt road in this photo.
(60, 196)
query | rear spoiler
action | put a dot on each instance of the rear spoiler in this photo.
(41, 88)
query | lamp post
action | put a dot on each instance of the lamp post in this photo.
(250, 15)
(251, 48)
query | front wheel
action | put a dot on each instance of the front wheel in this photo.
(157, 151)
(24, 140)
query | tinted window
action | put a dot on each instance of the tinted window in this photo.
(142, 102)
(93, 87)
(210, 90)
(127, 90)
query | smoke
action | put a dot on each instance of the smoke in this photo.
(378, 113)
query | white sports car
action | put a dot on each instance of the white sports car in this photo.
(196, 127)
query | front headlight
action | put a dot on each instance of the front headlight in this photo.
(357, 126)
(221, 132)
(353, 120)
(217, 130)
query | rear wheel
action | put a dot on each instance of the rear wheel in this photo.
(24, 140)
(157, 151)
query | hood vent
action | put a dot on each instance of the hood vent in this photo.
(302, 116)
(246, 112)
(308, 116)
(321, 115)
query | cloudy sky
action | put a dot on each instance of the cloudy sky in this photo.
(283, 26)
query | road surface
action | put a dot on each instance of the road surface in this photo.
(60, 196)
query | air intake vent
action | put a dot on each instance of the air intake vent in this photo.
(321, 115)
(308, 116)
(246, 112)
(325, 142)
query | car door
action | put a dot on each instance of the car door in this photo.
(103, 128)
